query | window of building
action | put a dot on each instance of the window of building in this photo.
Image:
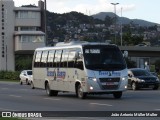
(31, 38)
(27, 14)
(28, 28)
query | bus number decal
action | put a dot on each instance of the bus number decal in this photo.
(109, 73)
(92, 51)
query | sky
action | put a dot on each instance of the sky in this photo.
(133, 9)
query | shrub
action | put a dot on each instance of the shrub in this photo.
(12, 75)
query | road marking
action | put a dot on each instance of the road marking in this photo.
(4, 88)
(50, 99)
(101, 104)
(24, 89)
(14, 96)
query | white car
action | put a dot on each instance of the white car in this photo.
(26, 77)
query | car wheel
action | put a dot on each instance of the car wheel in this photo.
(21, 83)
(117, 95)
(27, 82)
(155, 87)
(80, 93)
(134, 86)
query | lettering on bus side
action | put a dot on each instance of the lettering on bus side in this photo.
(60, 74)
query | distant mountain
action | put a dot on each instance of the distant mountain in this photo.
(124, 20)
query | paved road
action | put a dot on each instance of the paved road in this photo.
(15, 97)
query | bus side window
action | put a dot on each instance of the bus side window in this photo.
(79, 61)
(57, 58)
(38, 58)
(71, 59)
(44, 59)
(50, 58)
(64, 58)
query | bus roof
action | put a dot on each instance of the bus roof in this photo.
(73, 44)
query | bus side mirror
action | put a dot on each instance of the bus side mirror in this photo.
(125, 54)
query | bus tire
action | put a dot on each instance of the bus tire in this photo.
(50, 92)
(117, 95)
(80, 93)
(32, 85)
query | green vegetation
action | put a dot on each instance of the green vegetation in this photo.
(9, 75)
(68, 24)
(23, 62)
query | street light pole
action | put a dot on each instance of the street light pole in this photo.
(115, 19)
(121, 29)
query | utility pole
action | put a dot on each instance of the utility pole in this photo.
(121, 29)
(115, 26)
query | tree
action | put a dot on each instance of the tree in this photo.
(23, 62)
(108, 21)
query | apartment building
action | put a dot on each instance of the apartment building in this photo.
(22, 29)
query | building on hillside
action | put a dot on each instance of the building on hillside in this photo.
(21, 29)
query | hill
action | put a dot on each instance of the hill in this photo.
(124, 20)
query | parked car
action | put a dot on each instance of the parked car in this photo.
(141, 78)
(26, 77)
(154, 73)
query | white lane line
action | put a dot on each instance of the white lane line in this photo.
(15, 96)
(4, 88)
(101, 104)
(24, 89)
(8, 109)
(51, 99)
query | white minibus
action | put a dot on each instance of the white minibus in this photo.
(80, 67)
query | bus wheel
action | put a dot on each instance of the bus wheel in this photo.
(50, 92)
(117, 95)
(80, 92)
(32, 85)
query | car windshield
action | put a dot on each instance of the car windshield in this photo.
(29, 72)
(103, 57)
(141, 73)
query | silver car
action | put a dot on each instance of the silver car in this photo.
(26, 77)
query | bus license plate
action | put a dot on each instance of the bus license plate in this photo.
(112, 83)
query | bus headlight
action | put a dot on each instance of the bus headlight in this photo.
(157, 80)
(92, 78)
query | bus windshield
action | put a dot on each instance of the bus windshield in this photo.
(103, 57)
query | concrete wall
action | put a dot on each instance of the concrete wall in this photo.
(7, 60)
